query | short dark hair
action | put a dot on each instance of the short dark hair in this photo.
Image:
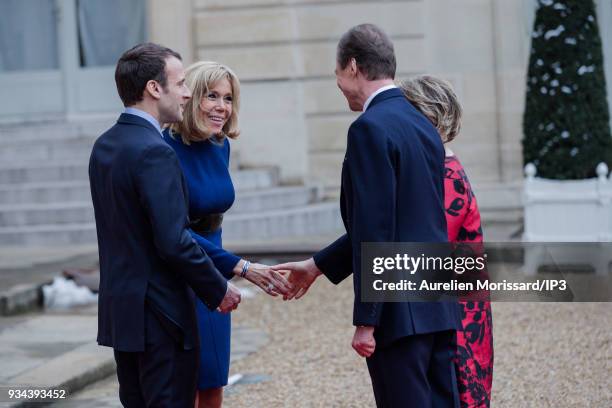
(372, 50)
(139, 65)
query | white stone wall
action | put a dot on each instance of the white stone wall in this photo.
(293, 115)
(169, 23)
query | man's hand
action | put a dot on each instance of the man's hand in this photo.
(231, 299)
(363, 341)
(302, 275)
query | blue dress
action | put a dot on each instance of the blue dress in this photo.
(206, 168)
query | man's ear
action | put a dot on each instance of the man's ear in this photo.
(153, 88)
(354, 69)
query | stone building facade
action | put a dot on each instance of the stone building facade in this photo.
(293, 116)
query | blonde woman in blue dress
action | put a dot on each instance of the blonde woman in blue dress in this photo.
(201, 142)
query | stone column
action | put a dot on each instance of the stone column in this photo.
(170, 23)
(461, 48)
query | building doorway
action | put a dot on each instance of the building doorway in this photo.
(57, 57)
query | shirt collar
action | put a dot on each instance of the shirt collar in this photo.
(379, 90)
(146, 116)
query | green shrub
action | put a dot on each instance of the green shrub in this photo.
(566, 124)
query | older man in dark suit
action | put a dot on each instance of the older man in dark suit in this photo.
(150, 266)
(392, 191)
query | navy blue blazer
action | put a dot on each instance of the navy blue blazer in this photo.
(392, 191)
(148, 258)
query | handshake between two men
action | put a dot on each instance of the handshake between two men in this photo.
(291, 280)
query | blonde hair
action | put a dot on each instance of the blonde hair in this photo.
(200, 77)
(435, 98)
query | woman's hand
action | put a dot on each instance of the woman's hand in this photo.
(271, 282)
(301, 276)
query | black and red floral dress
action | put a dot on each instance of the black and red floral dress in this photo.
(474, 359)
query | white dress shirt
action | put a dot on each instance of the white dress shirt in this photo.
(379, 90)
(144, 115)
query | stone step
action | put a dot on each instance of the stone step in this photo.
(247, 200)
(313, 219)
(254, 201)
(506, 216)
(53, 141)
(62, 212)
(71, 149)
(500, 204)
(54, 130)
(256, 178)
(43, 214)
(49, 234)
(501, 210)
(44, 193)
(499, 196)
(43, 172)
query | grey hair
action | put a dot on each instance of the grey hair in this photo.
(372, 50)
(435, 98)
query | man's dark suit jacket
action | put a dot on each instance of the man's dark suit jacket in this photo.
(392, 191)
(148, 258)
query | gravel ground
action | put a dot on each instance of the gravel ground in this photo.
(546, 355)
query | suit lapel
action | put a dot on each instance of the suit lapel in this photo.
(128, 119)
(344, 182)
(383, 96)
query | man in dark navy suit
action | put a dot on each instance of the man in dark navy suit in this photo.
(150, 266)
(392, 191)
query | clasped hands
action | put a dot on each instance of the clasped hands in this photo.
(292, 280)
(270, 281)
(301, 275)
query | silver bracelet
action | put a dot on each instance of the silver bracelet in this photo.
(245, 268)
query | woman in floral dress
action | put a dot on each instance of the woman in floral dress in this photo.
(437, 101)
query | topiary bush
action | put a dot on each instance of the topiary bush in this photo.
(566, 124)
